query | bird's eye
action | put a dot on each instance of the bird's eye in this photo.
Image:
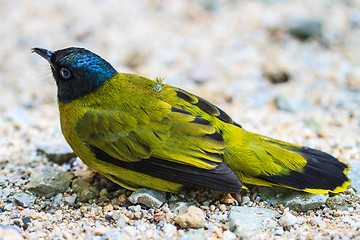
(65, 73)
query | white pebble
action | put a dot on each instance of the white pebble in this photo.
(222, 207)
(165, 209)
(137, 208)
(279, 231)
(8, 207)
(5, 193)
(169, 229)
(37, 224)
(300, 220)
(222, 217)
(71, 199)
(287, 219)
(115, 215)
(121, 223)
(228, 235)
(100, 231)
(245, 200)
(29, 213)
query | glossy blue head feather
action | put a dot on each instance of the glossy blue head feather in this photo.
(77, 71)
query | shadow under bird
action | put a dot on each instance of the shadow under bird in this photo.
(143, 133)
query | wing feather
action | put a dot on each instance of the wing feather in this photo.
(177, 136)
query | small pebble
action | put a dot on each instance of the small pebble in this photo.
(306, 28)
(109, 217)
(25, 200)
(8, 207)
(108, 208)
(100, 231)
(228, 199)
(279, 231)
(193, 217)
(84, 190)
(130, 215)
(148, 197)
(71, 199)
(245, 200)
(18, 222)
(287, 219)
(169, 229)
(277, 77)
(222, 207)
(30, 213)
(217, 232)
(26, 220)
(158, 217)
(228, 235)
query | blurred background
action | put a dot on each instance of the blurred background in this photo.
(285, 69)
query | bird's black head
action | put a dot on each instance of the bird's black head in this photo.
(77, 71)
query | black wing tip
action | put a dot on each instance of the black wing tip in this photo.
(322, 172)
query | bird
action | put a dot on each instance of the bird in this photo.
(143, 133)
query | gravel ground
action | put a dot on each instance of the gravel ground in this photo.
(281, 68)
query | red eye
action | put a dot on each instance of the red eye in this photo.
(65, 73)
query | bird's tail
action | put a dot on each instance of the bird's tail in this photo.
(270, 162)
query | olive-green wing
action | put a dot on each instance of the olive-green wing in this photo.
(161, 141)
(171, 134)
(128, 137)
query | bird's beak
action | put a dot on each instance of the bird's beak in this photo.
(44, 53)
